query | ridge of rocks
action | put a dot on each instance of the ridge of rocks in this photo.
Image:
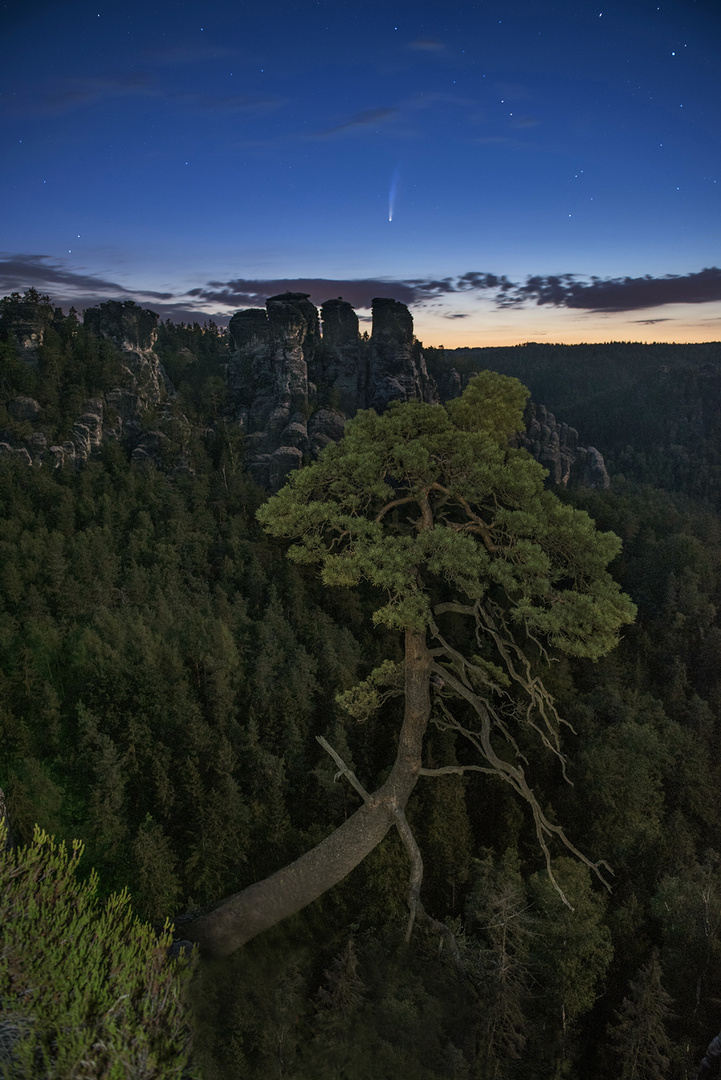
(295, 376)
(293, 386)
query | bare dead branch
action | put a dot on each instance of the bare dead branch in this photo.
(416, 910)
(516, 778)
(343, 769)
(539, 701)
(448, 936)
(449, 770)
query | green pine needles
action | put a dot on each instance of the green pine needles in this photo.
(86, 989)
(428, 499)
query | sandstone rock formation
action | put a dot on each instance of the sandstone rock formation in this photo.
(556, 447)
(27, 321)
(292, 388)
(134, 330)
(294, 377)
(120, 412)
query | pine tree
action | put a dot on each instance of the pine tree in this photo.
(638, 1035)
(441, 517)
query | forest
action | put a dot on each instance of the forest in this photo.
(166, 671)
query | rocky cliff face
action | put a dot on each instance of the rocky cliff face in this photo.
(134, 331)
(556, 447)
(26, 323)
(295, 376)
(293, 387)
(117, 414)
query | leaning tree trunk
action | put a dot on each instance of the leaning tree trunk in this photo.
(234, 921)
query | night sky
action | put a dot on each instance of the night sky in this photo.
(552, 170)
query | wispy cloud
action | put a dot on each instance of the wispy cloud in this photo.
(67, 95)
(44, 273)
(244, 292)
(428, 45)
(368, 118)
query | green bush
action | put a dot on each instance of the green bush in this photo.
(86, 989)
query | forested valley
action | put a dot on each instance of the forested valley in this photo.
(165, 671)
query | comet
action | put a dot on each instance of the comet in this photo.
(393, 191)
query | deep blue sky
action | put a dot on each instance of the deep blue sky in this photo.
(197, 157)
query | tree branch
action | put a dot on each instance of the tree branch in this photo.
(344, 770)
(391, 505)
(416, 875)
(476, 523)
(516, 778)
(449, 770)
(228, 924)
(539, 698)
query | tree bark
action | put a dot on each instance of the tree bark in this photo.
(234, 921)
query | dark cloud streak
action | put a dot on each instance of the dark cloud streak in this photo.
(619, 294)
(23, 271)
(594, 295)
(243, 292)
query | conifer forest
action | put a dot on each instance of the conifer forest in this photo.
(472, 716)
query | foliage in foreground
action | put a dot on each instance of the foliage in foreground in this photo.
(86, 989)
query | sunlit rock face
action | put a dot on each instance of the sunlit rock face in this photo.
(293, 385)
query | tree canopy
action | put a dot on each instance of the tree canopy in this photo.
(483, 520)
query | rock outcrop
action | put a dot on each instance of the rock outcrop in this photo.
(398, 368)
(295, 376)
(556, 447)
(134, 330)
(292, 387)
(26, 322)
(120, 414)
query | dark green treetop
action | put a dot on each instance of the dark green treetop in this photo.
(428, 500)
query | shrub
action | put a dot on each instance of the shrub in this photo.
(86, 989)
